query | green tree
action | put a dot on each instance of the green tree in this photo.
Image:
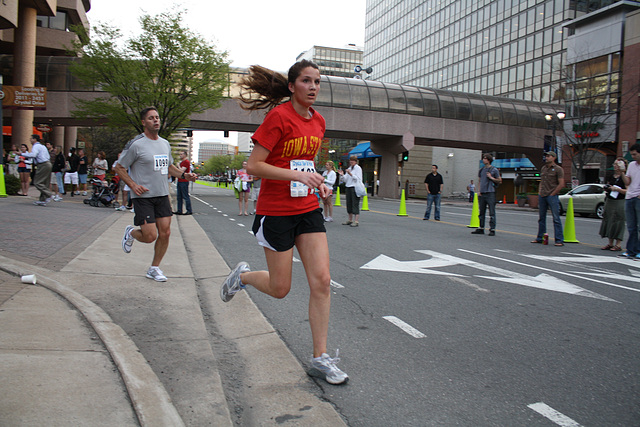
(220, 164)
(167, 66)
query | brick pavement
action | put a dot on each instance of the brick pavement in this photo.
(69, 226)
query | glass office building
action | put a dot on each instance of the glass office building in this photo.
(512, 48)
(505, 48)
(334, 61)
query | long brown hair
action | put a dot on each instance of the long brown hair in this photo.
(271, 87)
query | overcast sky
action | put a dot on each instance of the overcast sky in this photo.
(268, 33)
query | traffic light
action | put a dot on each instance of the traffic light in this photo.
(405, 156)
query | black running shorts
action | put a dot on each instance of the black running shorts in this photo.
(279, 233)
(149, 208)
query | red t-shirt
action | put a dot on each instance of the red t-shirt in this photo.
(288, 136)
(185, 164)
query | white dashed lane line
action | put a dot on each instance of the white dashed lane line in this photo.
(553, 415)
(405, 326)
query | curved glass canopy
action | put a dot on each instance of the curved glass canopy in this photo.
(359, 94)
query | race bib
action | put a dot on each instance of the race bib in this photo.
(299, 189)
(161, 163)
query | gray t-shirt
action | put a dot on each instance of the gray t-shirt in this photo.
(148, 163)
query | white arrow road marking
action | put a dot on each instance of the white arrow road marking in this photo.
(591, 259)
(336, 285)
(383, 262)
(542, 281)
(405, 326)
(576, 274)
(555, 416)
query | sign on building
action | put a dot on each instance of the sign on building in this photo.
(24, 98)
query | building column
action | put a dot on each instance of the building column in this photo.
(389, 150)
(24, 70)
(57, 138)
(70, 137)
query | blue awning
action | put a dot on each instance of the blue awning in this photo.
(363, 151)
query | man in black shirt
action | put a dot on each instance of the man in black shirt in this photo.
(82, 171)
(433, 183)
(71, 176)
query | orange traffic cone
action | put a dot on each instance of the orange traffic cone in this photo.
(504, 199)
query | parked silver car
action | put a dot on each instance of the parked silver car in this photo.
(588, 199)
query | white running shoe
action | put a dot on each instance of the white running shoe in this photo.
(127, 239)
(84, 193)
(156, 274)
(233, 284)
(57, 198)
(121, 208)
(325, 367)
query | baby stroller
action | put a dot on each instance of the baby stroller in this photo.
(102, 194)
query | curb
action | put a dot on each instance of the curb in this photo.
(151, 402)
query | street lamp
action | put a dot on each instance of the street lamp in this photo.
(553, 124)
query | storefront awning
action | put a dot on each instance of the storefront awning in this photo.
(363, 151)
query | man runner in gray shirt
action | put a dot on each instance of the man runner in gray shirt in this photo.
(144, 166)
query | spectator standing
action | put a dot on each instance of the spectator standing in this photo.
(434, 185)
(42, 163)
(183, 185)
(59, 164)
(551, 182)
(613, 221)
(244, 189)
(147, 158)
(350, 177)
(24, 169)
(100, 166)
(329, 180)
(83, 173)
(71, 175)
(632, 203)
(471, 189)
(489, 180)
(255, 192)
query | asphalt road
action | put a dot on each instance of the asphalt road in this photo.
(440, 327)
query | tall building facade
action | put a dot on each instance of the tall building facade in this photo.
(506, 48)
(334, 61)
(215, 147)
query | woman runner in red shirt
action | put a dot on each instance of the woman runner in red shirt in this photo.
(287, 214)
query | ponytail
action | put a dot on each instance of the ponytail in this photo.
(271, 87)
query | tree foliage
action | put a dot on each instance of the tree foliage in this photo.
(109, 140)
(167, 66)
(220, 164)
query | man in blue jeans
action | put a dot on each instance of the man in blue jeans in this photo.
(489, 180)
(183, 186)
(433, 183)
(551, 182)
(632, 203)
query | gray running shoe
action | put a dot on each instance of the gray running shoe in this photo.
(156, 274)
(325, 367)
(233, 284)
(127, 239)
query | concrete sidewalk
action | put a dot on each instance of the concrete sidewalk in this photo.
(97, 343)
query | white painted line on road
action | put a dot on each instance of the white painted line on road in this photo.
(555, 416)
(469, 284)
(225, 215)
(241, 225)
(405, 326)
(295, 259)
(336, 285)
(251, 232)
(232, 219)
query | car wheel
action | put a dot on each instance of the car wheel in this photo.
(600, 210)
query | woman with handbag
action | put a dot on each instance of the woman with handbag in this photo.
(329, 180)
(352, 178)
